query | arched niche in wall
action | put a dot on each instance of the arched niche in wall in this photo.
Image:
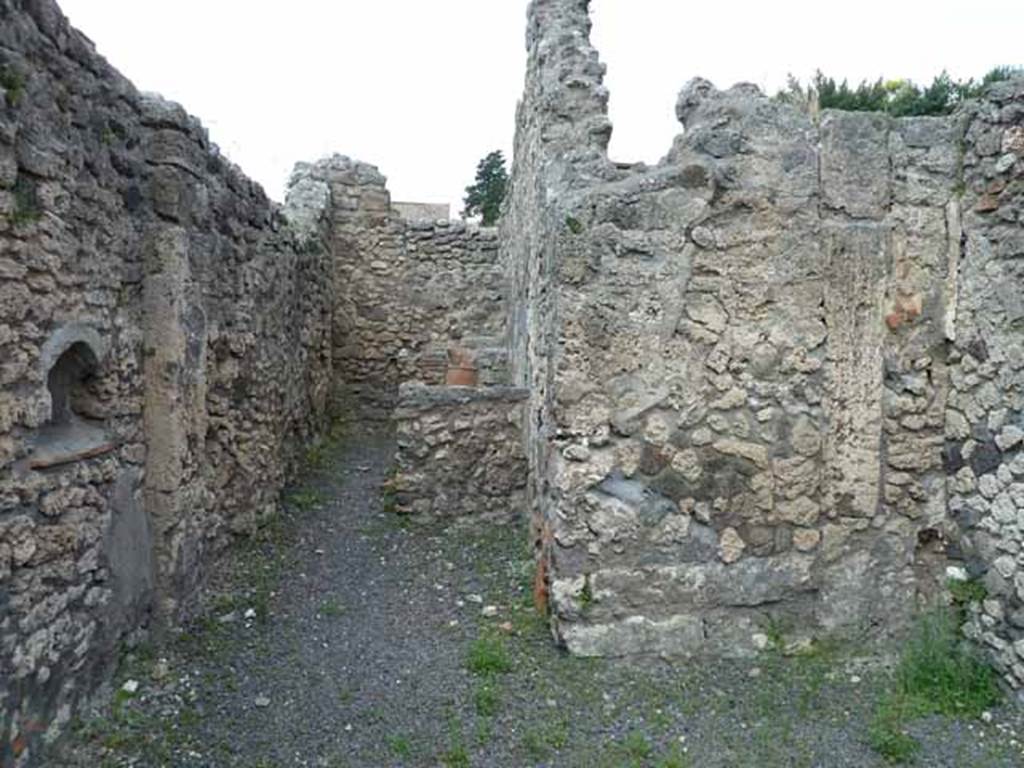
(70, 361)
(67, 378)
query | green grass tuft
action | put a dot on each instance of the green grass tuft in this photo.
(456, 756)
(331, 607)
(305, 499)
(966, 592)
(487, 699)
(400, 746)
(637, 746)
(540, 742)
(940, 671)
(888, 736)
(938, 674)
(675, 757)
(487, 656)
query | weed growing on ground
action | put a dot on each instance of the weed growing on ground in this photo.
(316, 457)
(675, 757)
(634, 751)
(942, 672)
(400, 746)
(132, 729)
(539, 742)
(938, 674)
(887, 734)
(966, 592)
(637, 746)
(331, 607)
(489, 655)
(456, 756)
(305, 499)
(487, 698)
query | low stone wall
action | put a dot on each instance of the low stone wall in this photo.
(460, 451)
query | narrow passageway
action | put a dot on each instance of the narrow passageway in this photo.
(356, 625)
(346, 635)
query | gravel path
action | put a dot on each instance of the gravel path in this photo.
(344, 638)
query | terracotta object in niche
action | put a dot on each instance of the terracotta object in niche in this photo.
(462, 371)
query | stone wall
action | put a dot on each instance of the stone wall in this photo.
(736, 359)
(460, 452)
(985, 411)
(164, 353)
(402, 286)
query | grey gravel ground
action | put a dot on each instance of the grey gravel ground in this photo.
(345, 638)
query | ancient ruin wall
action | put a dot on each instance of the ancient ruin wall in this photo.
(736, 360)
(460, 452)
(985, 410)
(555, 149)
(164, 350)
(405, 289)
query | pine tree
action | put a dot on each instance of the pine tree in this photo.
(485, 196)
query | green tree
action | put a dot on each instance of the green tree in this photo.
(897, 97)
(485, 196)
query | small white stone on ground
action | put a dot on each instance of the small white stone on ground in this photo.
(956, 573)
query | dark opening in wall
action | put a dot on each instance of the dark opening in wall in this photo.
(67, 380)
(71, 361)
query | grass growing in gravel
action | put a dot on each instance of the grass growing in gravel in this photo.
(487, 698)
(540, 741)
(305, 499)
(400, 746)
(332, 608)
(966, 592)
(938, 674)
(489, 655)
(456, 756)
(510, 697)
(633, 751)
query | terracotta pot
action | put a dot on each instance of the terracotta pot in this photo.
(461, 376)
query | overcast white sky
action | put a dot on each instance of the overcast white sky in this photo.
(424, 89)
